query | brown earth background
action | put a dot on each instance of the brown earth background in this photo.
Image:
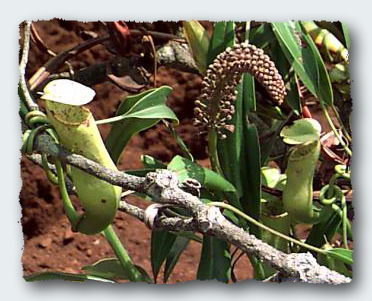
(49, 243)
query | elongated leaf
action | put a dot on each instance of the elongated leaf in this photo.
(64, 276)
(261, 36)
(198, 40)
(289, 37)
(293, 97)
(161, 244)
(341, 254)
(230, 151)
(251, 172)
(318, 71)
(178, 247)
(239, 153)
(110, 268)
(215, 260)
(302, 53)
(345, 31)
(185, 150)
(248, 85)
(140, 112)
(206, 177)
(222, 37)
(334, 264)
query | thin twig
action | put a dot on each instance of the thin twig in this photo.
(55, 62)
(172, 57)
(30, 103)
(35, 37)
(158, 35)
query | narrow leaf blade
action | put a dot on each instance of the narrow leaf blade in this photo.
(64, 276)
(178, 247)
(161, 244)
(198, 40)
(215, 260)
(141, 112)
(344, 255)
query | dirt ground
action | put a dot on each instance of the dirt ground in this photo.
(49, 243)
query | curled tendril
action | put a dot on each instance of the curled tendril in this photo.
(33, 118)
(215, 105)
(326, 199)
(38, 122)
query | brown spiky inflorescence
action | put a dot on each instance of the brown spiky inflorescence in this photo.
(215, 105)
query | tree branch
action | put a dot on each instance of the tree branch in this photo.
(177, 56)
(174, 54)
(163, 187)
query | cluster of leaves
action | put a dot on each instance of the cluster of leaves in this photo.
(305, 62)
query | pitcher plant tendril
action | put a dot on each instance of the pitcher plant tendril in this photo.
(215, 106)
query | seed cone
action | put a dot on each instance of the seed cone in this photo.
(215, 105)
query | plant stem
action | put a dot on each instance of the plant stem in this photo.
(70, 211)
(111, 120)
(122, 254)
(262, 226)
(330, 123)
(212, 149)
(348, 137)
(108, 233)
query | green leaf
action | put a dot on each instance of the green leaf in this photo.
(161, 244)
(318, 72)
(251, 175)
(248, 93)
(151, 162)
(345, 31)
(64, 276)
(325, 230)
(271, 177)
(110, 268)
(223, 36)
(303, 55)
(341, 254)
(261, 36)
(206, 177)
(239, 153)
(215, 260)
(178, 247)
(301, 131)
(185, 150)
(139, 112)
(333, 263)
(198, 40)
(293, 98)
(248, 85)
(231, 151)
